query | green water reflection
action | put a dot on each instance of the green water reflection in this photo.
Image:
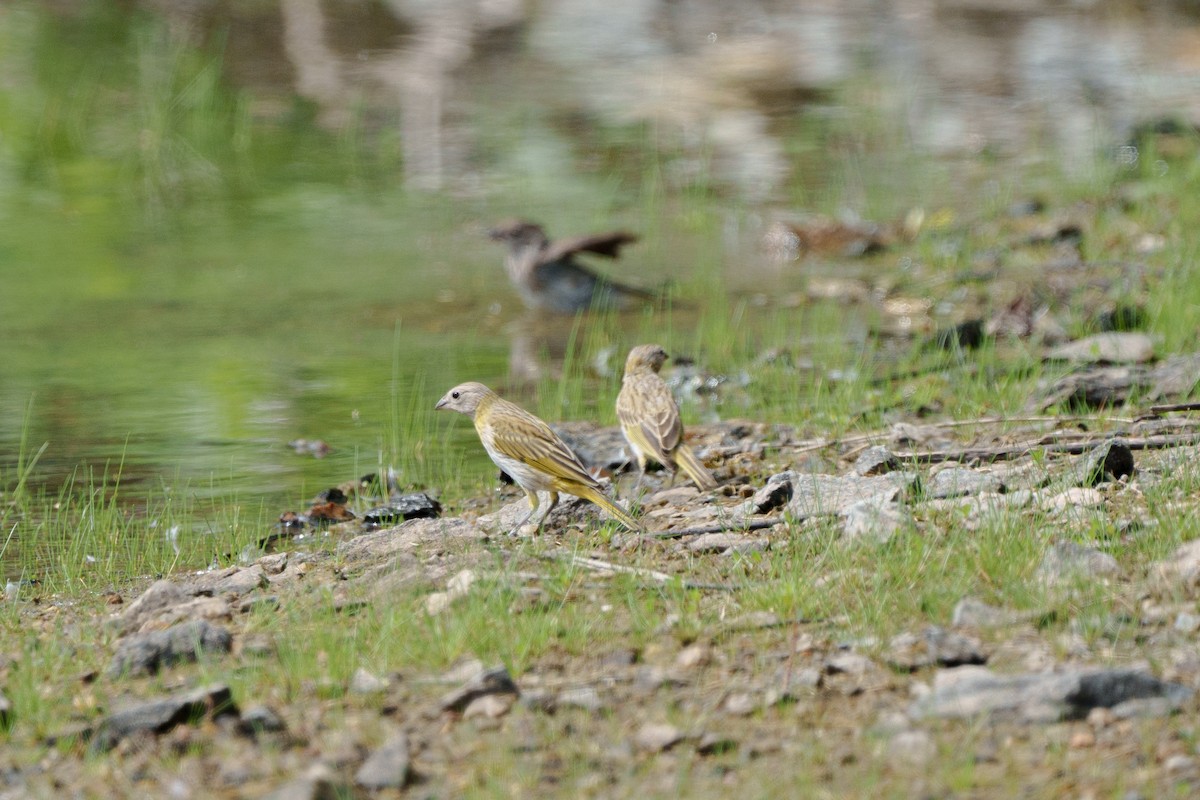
(187, 289)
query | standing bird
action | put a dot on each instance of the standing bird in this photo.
(548, 277)
(650, 418)
(528, 451)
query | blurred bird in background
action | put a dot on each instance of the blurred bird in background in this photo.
(548, 277)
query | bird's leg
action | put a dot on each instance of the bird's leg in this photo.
(549, 508)
(674, 473)
(533, 506)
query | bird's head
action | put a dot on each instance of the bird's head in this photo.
(519, 233)
(465, 398)
(650, 356)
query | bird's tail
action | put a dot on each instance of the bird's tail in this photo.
(688, 462)
(601, 500)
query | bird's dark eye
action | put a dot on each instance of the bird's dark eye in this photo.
(454, 395)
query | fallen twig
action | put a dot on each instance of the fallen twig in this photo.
(1066, 448)
(1167, 407)
(731, 527)
(598, 565)
(879, 436)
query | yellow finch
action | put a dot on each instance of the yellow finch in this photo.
(650, 419)
(525, 448)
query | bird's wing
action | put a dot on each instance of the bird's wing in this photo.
(517, 434)
(650, 410)
(602, 244)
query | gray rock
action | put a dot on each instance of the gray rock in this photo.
(604, 448)
(365, 682)
(960, 481)
(972, 613)
(935, 646)
(316, 784)
(235, 580)
(1187, 622)
(656, 737)
(406, 537)
(1040, 696)
(1181, 569)
(489, 706)
(1071, 500)
(1144, 708)
(261, 719)
(1174, 377)
(162, 594)
(1110, 461)
(775, 494)
(873, 521)
(694, 655)
(714, 542)
(747, 545)
(651, 678)
(160, 716)
(146, 653)
(877, 460)
(387, 767)
(1106, 348)
(585, 697)
(1066, 561)
(848, 663)
(832, 494)
(489, 681)
(911, 749)
(274, 563)
(540, 700)
(741, 704)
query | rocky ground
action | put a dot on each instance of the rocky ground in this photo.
(738, 645)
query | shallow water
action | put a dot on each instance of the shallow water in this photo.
(215, 245)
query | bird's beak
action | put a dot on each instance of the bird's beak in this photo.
(440, 404)
(495, 234)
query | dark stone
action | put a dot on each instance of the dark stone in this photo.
(260, 719)
(147, 653)
(935, 645)
(775, 494)
(1110, 461)
(160, 716)
(387, 767)
(1123, 318)
(966, 335)
(417, 505)
(332, 495)
(489, 681)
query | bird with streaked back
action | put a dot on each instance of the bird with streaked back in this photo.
(529, 452)
(650, 419)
